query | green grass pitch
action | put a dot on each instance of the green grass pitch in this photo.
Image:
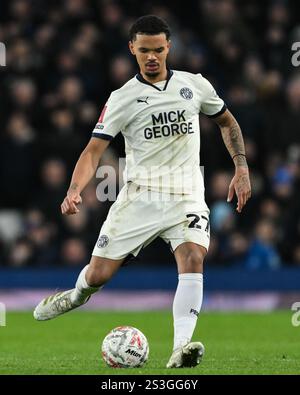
(236, 343)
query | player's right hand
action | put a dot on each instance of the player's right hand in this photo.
(69, 205)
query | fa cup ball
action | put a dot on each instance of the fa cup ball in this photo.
(125, 347)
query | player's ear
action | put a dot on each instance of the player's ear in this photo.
(131, 47)
(168, 46)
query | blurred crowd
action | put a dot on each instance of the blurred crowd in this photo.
(64, 57)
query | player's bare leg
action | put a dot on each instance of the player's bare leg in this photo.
(187, 305)
(92, 277)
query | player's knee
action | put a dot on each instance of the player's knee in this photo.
(194, 262)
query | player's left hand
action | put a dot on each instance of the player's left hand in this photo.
(240, 184)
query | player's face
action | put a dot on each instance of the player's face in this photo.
(151, 54)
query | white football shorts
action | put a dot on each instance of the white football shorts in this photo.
(138, 216)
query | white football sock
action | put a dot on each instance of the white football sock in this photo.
(82, 289)
(186, 307)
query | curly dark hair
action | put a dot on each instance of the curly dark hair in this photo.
(149, 24)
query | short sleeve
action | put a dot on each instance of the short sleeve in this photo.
(111, 120)
(211, 104)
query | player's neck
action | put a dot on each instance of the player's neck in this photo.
(160, 77)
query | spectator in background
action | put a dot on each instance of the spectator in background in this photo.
(222, 218)
(282, 183)
(70, 92)
(296, 255)
(121, 70)
(21, 254)
(270, 209)
(36, 246)
(73, 252)
(40, 234)
(17, 162)
(76, 226)
(236, 249)
(66, 141)
(23, 96)
(262, 253)
(53, 178)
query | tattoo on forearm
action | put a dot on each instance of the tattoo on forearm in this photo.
(233, 139)
(240, 160)
(74, 186)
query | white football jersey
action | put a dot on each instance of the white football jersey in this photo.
(160, 124)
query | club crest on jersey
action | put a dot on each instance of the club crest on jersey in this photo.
(186, 93)
(102, 241)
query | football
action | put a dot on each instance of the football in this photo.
(125, 347)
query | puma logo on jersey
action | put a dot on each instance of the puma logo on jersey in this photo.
(143, 100)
